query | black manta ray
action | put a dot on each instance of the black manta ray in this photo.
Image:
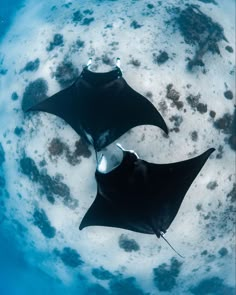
(142, 196)
(101, 107)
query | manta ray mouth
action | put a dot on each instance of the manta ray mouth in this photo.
(100, 78)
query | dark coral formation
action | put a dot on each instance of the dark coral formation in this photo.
(88, 11)
(223, 252)
(50, 186)
(193, 100)
(81, 149)
(79, 44)
(32, 66)
(66, 73)
(165, 276)
(220, 151)
(135, 62)
(194, 136)
(232, 138)
(102, 274)
(200, 30)
(14, 96)
(161, 58)
(135, 25)
(232, 194)
(228, 94)
(29, 168)
(87, 21)
(35, 92)
(212, 185)
(19, 131)
(174, 95)
(70, 257)
(150, 6)
(127, 244)
(106, 59)
(3, 71)
(213, 285)
(196, 105)
(77, 16)
(227, 124)
(202, 108)
(80, 17)
(125, 286)
(229, 49)
(220, 222)
(177, 120)
(58, 41)
(42, 222)
(149, 94)
(212, 114)
(58, 148)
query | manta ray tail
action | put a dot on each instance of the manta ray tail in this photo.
(171, 246)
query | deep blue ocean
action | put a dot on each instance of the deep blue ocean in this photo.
(8, 9)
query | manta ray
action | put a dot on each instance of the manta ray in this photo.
(101, 107)
(140, 196)
(132, 194)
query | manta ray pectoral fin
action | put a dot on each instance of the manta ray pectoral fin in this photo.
(175, 180)
(54, 104)
(101, 213)
(104, 212)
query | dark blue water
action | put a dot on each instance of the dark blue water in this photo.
(8, 10)
(17, 277)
